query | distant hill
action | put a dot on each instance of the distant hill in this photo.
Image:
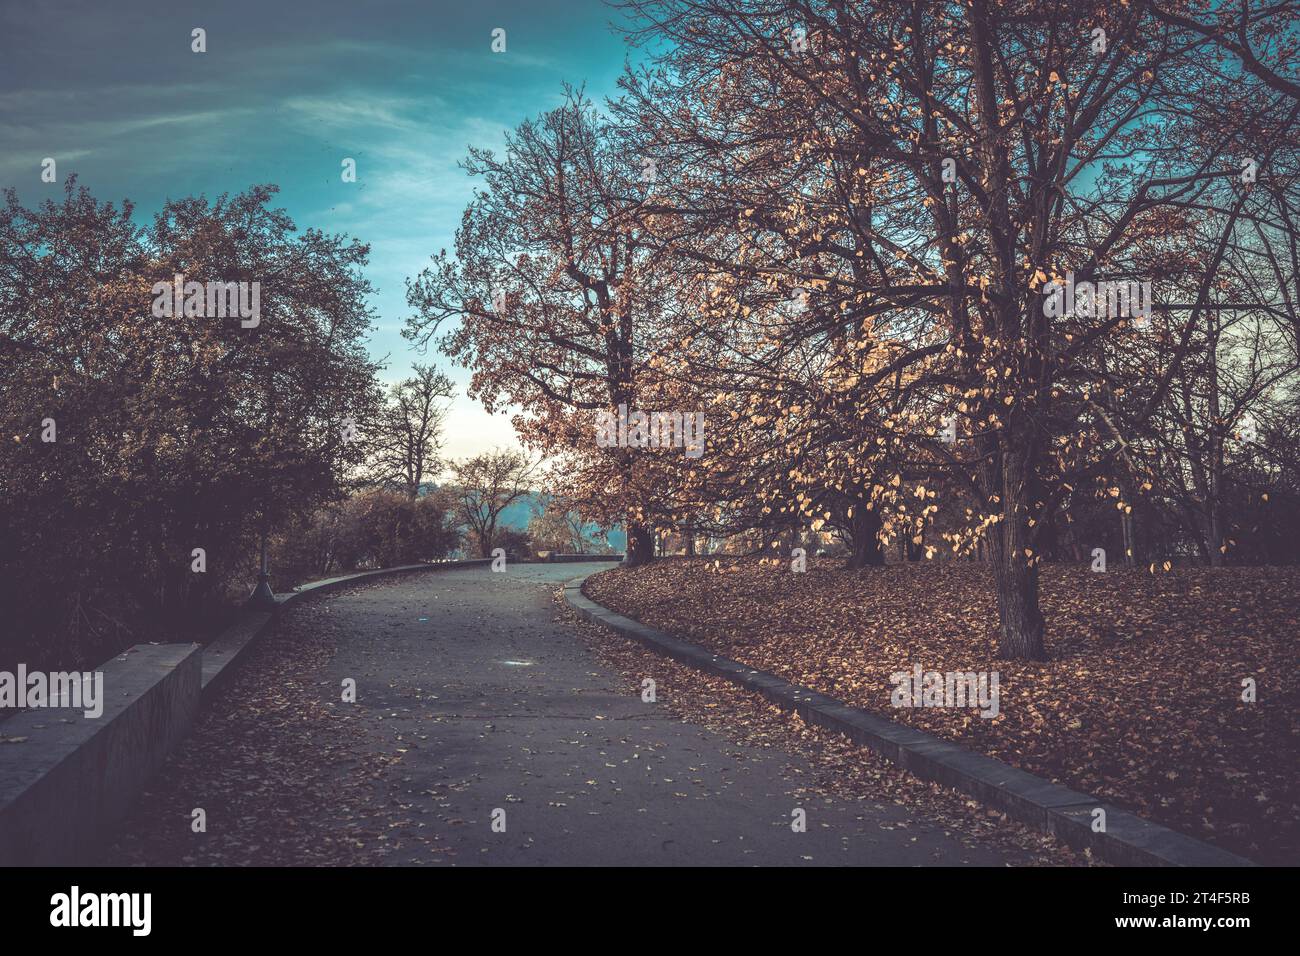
(520, 512)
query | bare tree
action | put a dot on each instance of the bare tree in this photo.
(485, 486)
(408, 433)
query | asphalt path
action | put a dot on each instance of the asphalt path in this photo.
(514, 748)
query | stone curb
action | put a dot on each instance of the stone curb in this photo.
(579, 558)
(1067, 814)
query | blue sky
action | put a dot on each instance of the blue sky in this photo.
(285, 91)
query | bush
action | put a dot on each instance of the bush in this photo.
(377, 528)
(516, 543)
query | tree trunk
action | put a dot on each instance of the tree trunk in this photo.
(1011, 453)
(865, 530)
(640, 546)
(1022, 621)
(1214, 502)
(1015, 573)
(914, 551)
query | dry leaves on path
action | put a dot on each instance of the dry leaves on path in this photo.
(283, 778)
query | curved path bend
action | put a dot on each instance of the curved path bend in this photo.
(475, 697)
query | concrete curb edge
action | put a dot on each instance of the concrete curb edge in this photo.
(1129, 840)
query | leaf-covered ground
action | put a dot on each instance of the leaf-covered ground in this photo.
(1140, 702)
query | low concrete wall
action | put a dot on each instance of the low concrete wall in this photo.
(66, 780)
(344, 580)
(583, 557)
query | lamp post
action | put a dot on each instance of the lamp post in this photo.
(262, 598)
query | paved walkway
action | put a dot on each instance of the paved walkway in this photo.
(498, 706)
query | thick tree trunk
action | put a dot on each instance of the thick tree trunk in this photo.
(640, 546)
(1015, 573)
(1021, 620)
(1012, 451)
(865, 530)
